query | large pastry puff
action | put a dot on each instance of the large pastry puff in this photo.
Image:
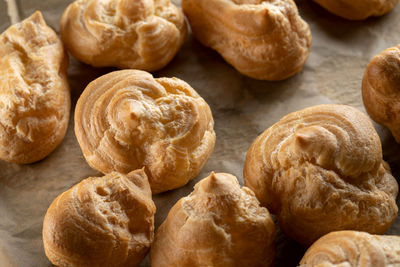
(358, 9)
(262, 39)
(320, 170)
(136, 34)
(219, 224)
(127, 119)
(34, 91)
(381, 89)
(353, 249)
(102, 221)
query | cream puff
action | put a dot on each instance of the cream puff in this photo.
(320, 170)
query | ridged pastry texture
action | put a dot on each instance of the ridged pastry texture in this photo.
(218, 224)
(136, 34)
(34, 91)
(353, 249)
(102, 221)
(320, 170)
(263, 39)
(127, 119)
(381, 89)
(358, 9)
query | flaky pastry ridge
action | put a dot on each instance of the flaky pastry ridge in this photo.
(319, 170)
(353, 249)
(136, 34)
(263, 39)
(218, 224)
(102, 221)
(358, 9)
(381, 89)
(126, 119)
(34, 91)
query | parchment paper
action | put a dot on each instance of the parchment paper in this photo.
(242, 109)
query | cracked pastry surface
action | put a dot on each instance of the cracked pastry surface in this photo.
(381, 89)
(34, 91)
(126, 119)
(218, 224)
(263, 39)
(102, 221)
(319, 170)
(353, 249)
(136, 34)
(358, 9)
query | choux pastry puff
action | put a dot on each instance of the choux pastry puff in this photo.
(127, 119)
(265, 40)
(219, 224)
(358, 9)
(134, 34)
(102, 221)
(353, 249)
(34, 91)
(381, 89)
(320, 170)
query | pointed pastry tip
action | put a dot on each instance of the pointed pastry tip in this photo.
(213, 176)
(37, 17)
(139, 178)
(213, 179)
(209, 183)
(218, 183)
(132, 176)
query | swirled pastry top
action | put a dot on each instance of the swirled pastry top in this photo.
(34, 92)
(263, 39)
(137, 34)
(322, 168)
(127, 119)
(381, 89)
(353, 249)
(102, 221)
(358, 9)
(218, 224)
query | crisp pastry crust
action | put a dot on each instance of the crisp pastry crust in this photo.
(102, 221)
(136, 34)
(218, 224)
(127, 119)
(263, 39)
(353, 249)
(358, 9)
(381, 89)
(34, 91)
(320, 170)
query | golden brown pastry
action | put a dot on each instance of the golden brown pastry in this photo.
(127, 119)
(320, 170)
(358, 9)
(353, 249)
(218, 224)
(34, 91)
(262, 39)
(102, 221)
(137, 34)
(381, 89)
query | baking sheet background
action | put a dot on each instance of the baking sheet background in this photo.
(242, 109)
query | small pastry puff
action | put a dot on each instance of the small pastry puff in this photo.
(34, 91)
(262, 39)
(358, 9)
(102, 221)
(381, 89)
(219, 224)
(320, 170)
(135, 34)
(126, 119)
(353, 249)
